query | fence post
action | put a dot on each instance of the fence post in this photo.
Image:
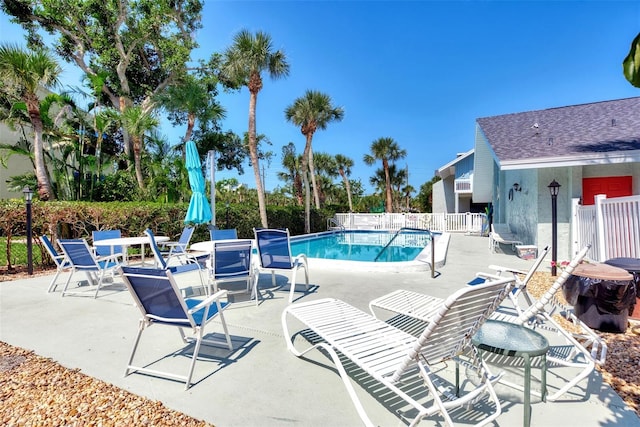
(575, 226)
(602, 255)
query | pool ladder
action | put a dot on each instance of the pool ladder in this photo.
(433, 251)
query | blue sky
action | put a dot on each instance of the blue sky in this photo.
(420, 72)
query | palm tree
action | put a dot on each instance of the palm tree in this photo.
(243, 64)
(387, 150)
(407, 190)
(137, 123)
(326, 171)
(345, 164)
(23, 74)
(190, 100)
(311, 112)
(291, 161)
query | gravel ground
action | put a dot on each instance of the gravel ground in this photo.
(38, 391)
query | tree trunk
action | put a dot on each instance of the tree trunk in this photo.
(137, 159)
(387, 178)
(304, 169)
(347, 187)
(312, 172)
(253, 154)
(191, 121)
(44, 185)
(307, 201)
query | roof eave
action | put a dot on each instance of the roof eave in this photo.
(573, 160)
(449, 168)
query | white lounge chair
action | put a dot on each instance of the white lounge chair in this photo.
(521, 277)
(501, 233)
(390, 355)
(582, 350)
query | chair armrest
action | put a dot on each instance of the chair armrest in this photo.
(209, 300)
(301, 258)
(489, 276)
(112, 258)
(501, 269)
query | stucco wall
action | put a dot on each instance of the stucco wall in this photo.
(521, 206)
(438, 201)
(16, 165)
(564, 176)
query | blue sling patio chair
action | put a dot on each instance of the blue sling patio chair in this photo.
(231, 261)
(274, 253)
(61, 261)
(185, 264)
(158, 297)
(107, 251)
(178, 249)
(82, 259)
(225, 233)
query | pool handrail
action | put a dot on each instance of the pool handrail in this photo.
(433, 251)
(335, 223)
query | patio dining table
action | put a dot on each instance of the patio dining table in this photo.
(208, 245)
(125, 242)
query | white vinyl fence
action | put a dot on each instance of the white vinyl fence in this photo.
(452, 223)
(611, 226)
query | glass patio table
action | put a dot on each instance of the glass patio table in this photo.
(511, 340)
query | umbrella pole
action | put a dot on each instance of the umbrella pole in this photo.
(212, 171)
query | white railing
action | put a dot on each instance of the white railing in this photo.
(451, 223)
(612, 226)
(463, 185)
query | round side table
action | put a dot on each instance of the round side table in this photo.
(509, 339)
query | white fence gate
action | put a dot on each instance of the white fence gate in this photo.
(611, 226)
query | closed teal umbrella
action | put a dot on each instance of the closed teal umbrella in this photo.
(199, 211)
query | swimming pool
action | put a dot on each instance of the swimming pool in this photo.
(366, 249)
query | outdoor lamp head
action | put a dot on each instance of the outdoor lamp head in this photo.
(28, 194)
(554, 188)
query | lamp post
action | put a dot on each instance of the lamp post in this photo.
(554, 188)
(28, 194)
(227, 215)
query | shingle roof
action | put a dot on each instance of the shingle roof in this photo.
(573, 131)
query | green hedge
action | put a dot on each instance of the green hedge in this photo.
(79, 219)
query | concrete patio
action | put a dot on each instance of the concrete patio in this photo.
(260, 383)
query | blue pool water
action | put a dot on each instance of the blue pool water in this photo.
(362, 245)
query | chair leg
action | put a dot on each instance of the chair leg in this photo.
(102, 272)
(293, 279)
(52, 285)
(196, 350)
(129, 369)
(66, 285)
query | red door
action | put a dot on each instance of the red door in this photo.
(612, 186)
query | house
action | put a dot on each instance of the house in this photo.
(588, 149)
(16, 165)
(452, 194)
